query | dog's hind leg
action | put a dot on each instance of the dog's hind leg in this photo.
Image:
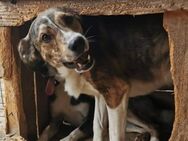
(100, 119)
(141, 127)
(117, 120)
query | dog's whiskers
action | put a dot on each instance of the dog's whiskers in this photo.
(87, 30)
(91, 37)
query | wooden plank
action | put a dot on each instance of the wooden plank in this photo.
(2, 110)
(176, 24)
(35, 102)
(27, 87)
(42, 103)
(29, 101)
(13, 138)
(14, 108)
(1, 71)
(24, 10)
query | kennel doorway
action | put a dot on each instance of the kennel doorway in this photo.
(15, 14)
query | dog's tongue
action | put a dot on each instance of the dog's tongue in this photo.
(50, 87)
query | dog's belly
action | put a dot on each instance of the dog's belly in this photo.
(139, 88)
(161, 78)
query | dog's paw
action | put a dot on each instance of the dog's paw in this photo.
(143, 137)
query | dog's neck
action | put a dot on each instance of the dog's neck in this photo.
(75, 83)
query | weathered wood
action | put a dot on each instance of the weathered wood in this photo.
(2, 110)
(176, 24)
(14, 138)
(14, 108)
(1, 71)
(24, 10)
(42, 103)
(27, 87)
(35, 101)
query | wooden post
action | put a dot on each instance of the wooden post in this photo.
(176, 24)
(24, 10)
(16, 124)
(35, 101)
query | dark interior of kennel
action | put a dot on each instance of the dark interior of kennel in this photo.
(36, 102)
(15, 14)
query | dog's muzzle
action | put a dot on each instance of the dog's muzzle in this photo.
(82, 63)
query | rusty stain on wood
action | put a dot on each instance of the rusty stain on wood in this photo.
(24, 10)
(15, 115)
(176, 24)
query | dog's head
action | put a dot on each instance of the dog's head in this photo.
(55, 40)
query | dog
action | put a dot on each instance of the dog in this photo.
(80, 112)
(130, 57)
(65, 108)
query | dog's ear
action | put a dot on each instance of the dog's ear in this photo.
(27, 51)
(32, 58)
(29, 54)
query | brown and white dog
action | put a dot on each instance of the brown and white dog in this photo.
(79, 113)
(128, 58)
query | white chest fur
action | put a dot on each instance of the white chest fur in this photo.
(76, 84)
(62, 106)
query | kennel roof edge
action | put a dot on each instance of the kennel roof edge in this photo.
(24, 10)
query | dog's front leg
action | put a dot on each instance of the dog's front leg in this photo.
(85, 130)
(100, 119)
(117, 120)
(49, 131)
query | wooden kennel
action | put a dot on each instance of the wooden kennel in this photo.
(23, 88)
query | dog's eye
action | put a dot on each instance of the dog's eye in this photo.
(68, 19)
(46, 38)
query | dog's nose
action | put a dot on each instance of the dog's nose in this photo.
(77, 45)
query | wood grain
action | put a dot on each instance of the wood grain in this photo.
(176, 24)
(14, 108)
(24, 10)
(35, 101)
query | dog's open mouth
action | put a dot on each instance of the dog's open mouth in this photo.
(82, 63)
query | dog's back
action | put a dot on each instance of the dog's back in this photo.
(134, 49)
